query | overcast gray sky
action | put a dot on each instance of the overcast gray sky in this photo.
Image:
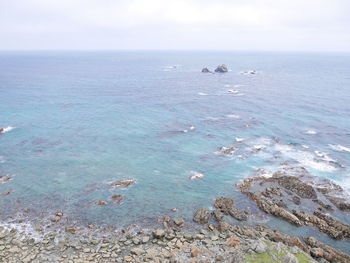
(291, 25)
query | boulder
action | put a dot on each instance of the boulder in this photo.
(201, 216)
(55, 219)
(71, 230)
(206, 70)
(159, 233)
(221, 68)
(179, 221)
(225, 205)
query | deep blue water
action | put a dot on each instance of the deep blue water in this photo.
(84, 119)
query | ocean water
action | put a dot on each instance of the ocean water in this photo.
(81, 120)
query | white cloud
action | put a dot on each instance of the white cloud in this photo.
(163, 24)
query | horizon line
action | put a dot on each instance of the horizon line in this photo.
(174, 50)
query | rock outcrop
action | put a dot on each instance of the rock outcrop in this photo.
(201, 216)
(291, 195)
(123, 183)
(221, 68)
(226, 206)
(206, 70)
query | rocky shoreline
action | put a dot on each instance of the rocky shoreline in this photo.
(220, 235)
(226, 243)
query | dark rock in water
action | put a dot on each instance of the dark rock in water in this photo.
(117, 198)
(340, 203)
(2, 130)
(329, 253)
(277, 201)
(227, 150)
(225, 205)
(323, 205)
(201, 216)
(325, 224)
(206, 70)
(221, 68)
(296, 200)
(217, 215)
(295, 185)
(123, 183)
(101, 202)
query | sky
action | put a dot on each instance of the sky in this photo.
(248, 25)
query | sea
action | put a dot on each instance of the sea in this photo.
(77, 121)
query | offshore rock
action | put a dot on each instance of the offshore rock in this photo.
(221, 68)
(117, 198)
(206, 70)
(123, 183)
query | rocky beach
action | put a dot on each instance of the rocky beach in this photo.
(216, 235)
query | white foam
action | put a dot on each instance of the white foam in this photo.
(263, 172)
(195, 175)
(202, 94)
(171, 67)
(7, 129)
(310, 132)
(25, 229)
(232, 116)
(346, 182)
(240, 139)
(214, 118)
(192, 128)
(339, 148)
(305, 158)
(262, 141)
(234, 91)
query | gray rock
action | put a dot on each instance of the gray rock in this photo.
(137, 251)
(289, 258)
(221, 68)
(201, 216)
(259, 247)
(145, 239)
(159, 233)
(206, 70)
(179, 221)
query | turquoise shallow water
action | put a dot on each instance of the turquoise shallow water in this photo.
(85, 119)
